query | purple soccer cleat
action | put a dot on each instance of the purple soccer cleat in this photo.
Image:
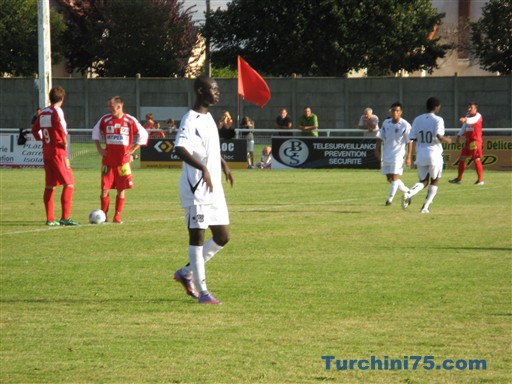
(206, 298)
(187, 283)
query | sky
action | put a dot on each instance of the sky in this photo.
(201, 6)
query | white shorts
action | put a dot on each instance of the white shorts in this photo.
(434, 171)
(396, 168)
(204, 216)
(250, 146)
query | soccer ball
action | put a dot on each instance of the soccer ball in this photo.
(97, 216)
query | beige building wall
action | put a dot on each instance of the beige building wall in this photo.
(455, 29)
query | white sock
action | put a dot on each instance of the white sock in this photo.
(432, 191)
(186, 271)
(415, 189)
(392, 190)
(195, 257)
(401, 186)
(210, 249)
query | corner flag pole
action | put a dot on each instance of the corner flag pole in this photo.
(44, 51)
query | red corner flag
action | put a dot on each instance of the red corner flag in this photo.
(251, 85)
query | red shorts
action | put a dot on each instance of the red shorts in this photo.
(116, 177)
(58, 171)
(472, 149)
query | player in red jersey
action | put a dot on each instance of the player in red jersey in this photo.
(117, 130)
(472, 130)
(50, 127)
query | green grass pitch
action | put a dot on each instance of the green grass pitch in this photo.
(317, 266)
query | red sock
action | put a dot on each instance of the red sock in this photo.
(105, 202)
(66, 199)
(119, 205)
(48, 203)
(479, 169)
(462, 168)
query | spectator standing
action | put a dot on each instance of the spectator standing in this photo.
(225, 126)
(369, 123)
(472, 130)
(428, 133)
(118, 130)
(308, 123)
(157, 132)
(395, 137)
(283, 121)
(149, 123)
(50, 127)
(153, 127)
(248, 123)
(201, 192)
(171, 127)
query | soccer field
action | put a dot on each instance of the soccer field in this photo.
(317, 266)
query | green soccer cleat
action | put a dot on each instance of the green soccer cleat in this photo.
(68, 222)
(54, 223)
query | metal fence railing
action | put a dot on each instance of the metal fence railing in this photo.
(83, 152)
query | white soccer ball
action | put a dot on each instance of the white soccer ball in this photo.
(97, 216)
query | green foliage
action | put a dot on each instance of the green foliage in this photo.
(492, 37)
(327, 37)
(123, 38)
(19, 37)
(317, 265)
(224, 73)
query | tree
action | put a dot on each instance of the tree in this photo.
(326, 37)
(123, 38)
(492, 37)
(19, 37)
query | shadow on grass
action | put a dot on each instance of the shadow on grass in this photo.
(95, 301)
(478, 248)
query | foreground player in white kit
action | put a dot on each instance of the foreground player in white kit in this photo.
(428, 133)
(395, 136)
(201, 193)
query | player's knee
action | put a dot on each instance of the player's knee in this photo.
(222, 239)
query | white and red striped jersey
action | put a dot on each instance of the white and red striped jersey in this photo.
(50, 127)
(118, 135)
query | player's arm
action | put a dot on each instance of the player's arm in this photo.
(99, 148)
(378, 146)
(36, 131)
(444, 139)
(143, 135)
(227, 171)
(185, 155)
(472, 119)
(96, 135)
(408, 158)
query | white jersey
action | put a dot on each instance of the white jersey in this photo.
(425, 129)
(395, 138)
(199, 136)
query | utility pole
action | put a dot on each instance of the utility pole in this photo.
(44, 51)
(207, 61)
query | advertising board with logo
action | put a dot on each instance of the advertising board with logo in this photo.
(12, 155)
(315, 152)
(159, 153)
(497, 153)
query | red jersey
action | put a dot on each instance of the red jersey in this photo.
(118, 135)
(472, 128)
(50, 127)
